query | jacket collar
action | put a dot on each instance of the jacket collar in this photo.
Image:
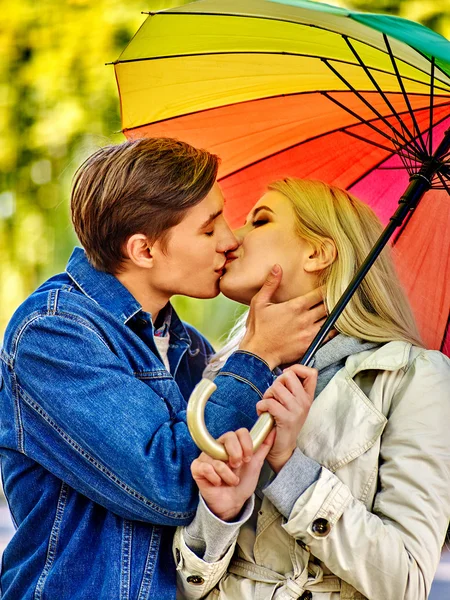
(388, 357)
(107, 291)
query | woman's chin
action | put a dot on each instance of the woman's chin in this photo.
(235, 292)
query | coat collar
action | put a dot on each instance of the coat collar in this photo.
(392, 356)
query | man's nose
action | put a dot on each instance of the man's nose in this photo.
(229, 242)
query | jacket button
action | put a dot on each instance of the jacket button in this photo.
(306, 595)
(195, 580)
(321, 527)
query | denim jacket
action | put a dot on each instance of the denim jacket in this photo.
(94, 446)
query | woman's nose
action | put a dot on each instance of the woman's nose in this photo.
(239, 234)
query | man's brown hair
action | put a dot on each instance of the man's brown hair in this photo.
(140, 186)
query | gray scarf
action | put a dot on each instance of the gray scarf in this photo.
(331, 357)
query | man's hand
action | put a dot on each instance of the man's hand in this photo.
(288, 400)
(226, 487)
(281, 333)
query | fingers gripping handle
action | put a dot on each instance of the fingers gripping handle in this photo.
(199, 432)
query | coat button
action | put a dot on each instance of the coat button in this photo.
(195, 580)
(321, 527)
(306, 595)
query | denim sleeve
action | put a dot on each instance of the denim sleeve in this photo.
(85, 417)
(242, 382)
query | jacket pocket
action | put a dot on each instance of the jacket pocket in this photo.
(342, 424)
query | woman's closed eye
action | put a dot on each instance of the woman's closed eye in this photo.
(259, 222)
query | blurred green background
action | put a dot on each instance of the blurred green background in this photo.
(58, 104)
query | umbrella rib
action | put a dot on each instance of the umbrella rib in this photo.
(261, 99)
(310, 139)
(258, 52)
(402, 87)
(277, 19)
(446, 187)
(384, 159)
(377, 86)
(359, 95)
(430, 137)
(368, 123)
(371, 142)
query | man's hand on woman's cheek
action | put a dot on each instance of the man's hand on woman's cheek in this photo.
(281, 333)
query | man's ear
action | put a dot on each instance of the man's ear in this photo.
(321, 257)
(139, 251)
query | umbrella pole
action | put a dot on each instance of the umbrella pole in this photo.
(419, 183)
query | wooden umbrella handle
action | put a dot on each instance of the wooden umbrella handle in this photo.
(199, 432)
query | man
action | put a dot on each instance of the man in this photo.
(97, 369)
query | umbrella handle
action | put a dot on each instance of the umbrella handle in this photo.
(199, 432)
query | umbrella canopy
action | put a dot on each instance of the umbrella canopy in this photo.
(290, 87)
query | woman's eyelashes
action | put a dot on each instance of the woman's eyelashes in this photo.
(209, 233)
(259, 222)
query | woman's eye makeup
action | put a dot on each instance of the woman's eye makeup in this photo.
(209, 233)
(260, 222)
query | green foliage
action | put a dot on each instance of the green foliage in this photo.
(58, 103)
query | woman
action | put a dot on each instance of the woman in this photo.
(357, 500)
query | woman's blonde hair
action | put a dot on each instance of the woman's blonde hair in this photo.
(379, 310)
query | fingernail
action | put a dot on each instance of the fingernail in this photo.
(247, 459)
(275, 269)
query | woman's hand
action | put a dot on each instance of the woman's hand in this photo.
(226, 487)
(288, 400)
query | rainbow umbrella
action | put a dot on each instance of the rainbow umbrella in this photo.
(291, 87)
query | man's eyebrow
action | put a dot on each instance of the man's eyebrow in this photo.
(211, 218)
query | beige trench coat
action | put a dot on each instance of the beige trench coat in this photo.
(381, 431)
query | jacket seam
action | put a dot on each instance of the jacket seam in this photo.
(82, 322)
(127, 541)
(52, 301)
(53, 541)
(160, 374)
(42, 315)
(254, 356)
(368, 485)
(17, 414)
(6, 358)
(150, 562)
(97, 464)
(19, 332)
(242, 379)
